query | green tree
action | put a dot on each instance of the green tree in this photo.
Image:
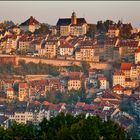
(85, 67)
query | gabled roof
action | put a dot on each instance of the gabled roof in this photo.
(118, 87)
(30, 21)
(3, 119)
(66, 45)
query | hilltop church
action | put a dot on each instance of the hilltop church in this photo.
(72, 26)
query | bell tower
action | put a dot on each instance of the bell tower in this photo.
(73, 18)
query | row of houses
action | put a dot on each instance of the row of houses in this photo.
(106, 105)
(78, 48)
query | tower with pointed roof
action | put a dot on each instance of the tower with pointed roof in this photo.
(73, 18)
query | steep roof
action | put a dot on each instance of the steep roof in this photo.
(30, 21)
(118, 87)
(67, 21)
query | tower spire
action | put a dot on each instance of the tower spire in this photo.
(73, 18)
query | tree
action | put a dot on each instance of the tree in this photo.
(66, 127)
(74, 68)
(101, 27)
(90, 33)
(85, 67)
(59, 96)
(44, 29)
(28, 33)
(79, 127)
(107, 23)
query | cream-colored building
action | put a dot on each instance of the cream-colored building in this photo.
(104, 84)
(126, 69)
(76, 30)
(24, 43)
(74, 84)
(66, 49)
(10, 93)
(134, 73)
(51, 48)
(65, 30)
(24, 116)
(30, 25)
(137, 56)
(119, 78)
(23, 91)
(86, 52)
(72, 26)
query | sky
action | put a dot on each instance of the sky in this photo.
(51, 11)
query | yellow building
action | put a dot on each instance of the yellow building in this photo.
(66, 49)
(10, 93)
(23, 91)
(126, 69)
(129, 83)
(119, 78)
(74, 84)
(75, 80)
(65, 30)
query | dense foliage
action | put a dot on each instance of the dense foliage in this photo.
(66, 127)
(29, 68)
(70, 97)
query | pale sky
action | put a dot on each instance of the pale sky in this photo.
(50, 11)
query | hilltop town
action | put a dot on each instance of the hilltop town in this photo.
(73, 67)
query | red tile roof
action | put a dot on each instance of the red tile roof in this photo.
(119, 73)
(118, 87)
(23, 85)
(10, 89)
(46, 103)
(138, 50)
(66, 45)
(102, 78)
(126, 66)
(80, 104)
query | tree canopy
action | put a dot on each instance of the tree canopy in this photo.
(66, 127)
(29, 68)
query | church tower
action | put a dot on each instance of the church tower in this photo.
(73, 18)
